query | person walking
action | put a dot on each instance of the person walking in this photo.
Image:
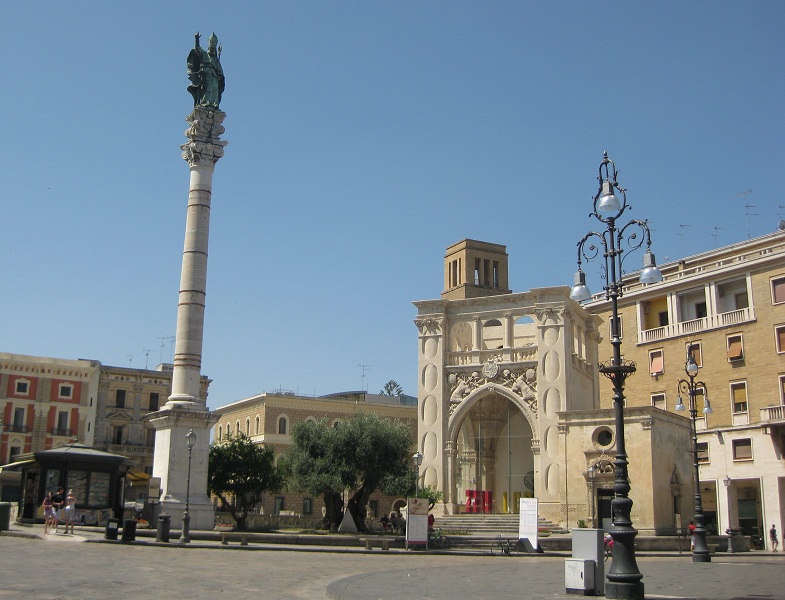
(691, 529)
(57, 501)
(49, 512)
(69, 511)
(773, 537)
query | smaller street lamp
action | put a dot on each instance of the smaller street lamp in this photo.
(190, 439)
(700, 552)
(417, 458)
(592, 472)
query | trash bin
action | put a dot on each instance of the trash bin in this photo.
(164, 523)
(129, 530)
(5, 516)
(111, 529)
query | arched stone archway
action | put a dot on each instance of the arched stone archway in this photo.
(490, 433)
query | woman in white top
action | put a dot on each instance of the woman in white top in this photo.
(70, 510)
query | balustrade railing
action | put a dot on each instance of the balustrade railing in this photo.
(693, 326)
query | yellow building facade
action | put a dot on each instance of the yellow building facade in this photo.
(727, 304)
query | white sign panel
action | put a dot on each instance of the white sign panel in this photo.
(527, 527)
(153, 490)
(417, 521)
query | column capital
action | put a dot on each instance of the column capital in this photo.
(204, 146)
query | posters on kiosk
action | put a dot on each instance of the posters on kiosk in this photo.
(527, 527)
(417, 521)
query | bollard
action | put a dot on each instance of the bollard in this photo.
(164, 523)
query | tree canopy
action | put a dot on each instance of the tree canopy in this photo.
(362, 454)
(242, 470)
(391, 388)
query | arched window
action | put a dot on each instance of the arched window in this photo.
(336, 423)
(283, 425)
(237, 429)
(257, 425)
(220, 432)
(228, 430)
(248, 427)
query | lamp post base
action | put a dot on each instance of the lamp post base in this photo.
(702, 557)
(626, 591)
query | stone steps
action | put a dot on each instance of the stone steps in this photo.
(490, 525)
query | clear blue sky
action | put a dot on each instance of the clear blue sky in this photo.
(364, 138)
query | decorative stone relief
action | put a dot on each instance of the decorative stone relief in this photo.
(522, 382)
(549, 312)
(429, 325)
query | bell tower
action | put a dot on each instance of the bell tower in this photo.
(475, 269)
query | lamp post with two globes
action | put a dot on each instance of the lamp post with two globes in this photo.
(700, 551)
(624, 578)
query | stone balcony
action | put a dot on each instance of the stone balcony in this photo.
(508, 355)
(694, 326)
(773, 419)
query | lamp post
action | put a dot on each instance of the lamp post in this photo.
(591, 472)
(700, 552)
(417, 458)
(190, 439)
(729, 530)
(624, 578)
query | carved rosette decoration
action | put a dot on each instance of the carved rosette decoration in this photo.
(430, 325)
(205, 146)
(521, 382)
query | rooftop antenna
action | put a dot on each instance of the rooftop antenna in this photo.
(747, 207)
(715, 235)
(146, 357)
(362, 385)
(164, 339)
(681, 239)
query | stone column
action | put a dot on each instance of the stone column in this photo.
(187, 406)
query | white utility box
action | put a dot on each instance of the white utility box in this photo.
(579, 576)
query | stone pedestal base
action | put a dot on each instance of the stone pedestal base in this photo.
(171, 462)
(200, 510)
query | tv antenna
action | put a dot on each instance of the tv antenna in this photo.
(130, 358)
(747, 207)
(716, 234)
(363, 386)
(164, 339)
(146, 357)
(681, 239)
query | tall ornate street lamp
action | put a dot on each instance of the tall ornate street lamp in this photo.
(624, 578)
(190, 439)
(417, 458)
(700, 552)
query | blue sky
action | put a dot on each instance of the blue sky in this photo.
(364, 138)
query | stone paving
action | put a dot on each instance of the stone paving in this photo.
(39, 566)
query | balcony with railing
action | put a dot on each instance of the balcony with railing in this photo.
(58, 431)
(504, 355)
(773, 419)
(17, 428)
(716, 321)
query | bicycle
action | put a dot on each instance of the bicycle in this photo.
(436, 539)
(607, 542)
(504, 547)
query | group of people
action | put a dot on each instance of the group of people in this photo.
(395, 522)
(57, 507)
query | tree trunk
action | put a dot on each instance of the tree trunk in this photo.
(334, 511)
(357, 504)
